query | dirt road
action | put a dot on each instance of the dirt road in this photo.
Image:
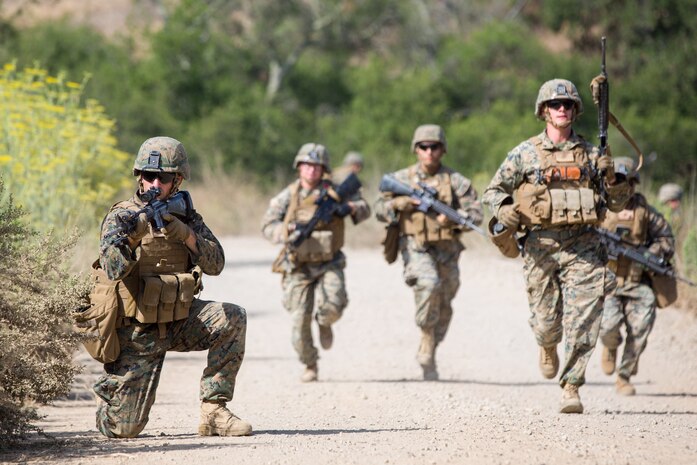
(491, 406)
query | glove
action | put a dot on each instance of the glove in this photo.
(509, 217)
(140, 230)
(595, 88)
(402, 203)
(656, 249)
(607, 166)
(175, 230)
(344, 209)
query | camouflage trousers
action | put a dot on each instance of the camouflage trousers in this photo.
(566, 281)
(632, 305)
(324, 285)
(432, 271)
(127, 388)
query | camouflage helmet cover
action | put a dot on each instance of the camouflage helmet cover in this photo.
(627, 167)
(314, 154)
(669, 191)
(558, 89)
(162, 154)
(429, 132)
(353, 158)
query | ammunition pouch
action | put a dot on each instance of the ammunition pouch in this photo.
(665, 288)
(505, 240)
(167, 297)
(390, 242)
(540, 205)
(319, 247)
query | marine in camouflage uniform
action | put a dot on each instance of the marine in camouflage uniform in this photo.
(313, 275)
(551, 189)
(150, 269)
(633, 303)
(430, 244)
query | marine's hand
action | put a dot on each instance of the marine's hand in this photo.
(607, 166)
(175, 229)
(140, 230)
(404, 203)
(595, 88)
(344, 209)
(509, 217)
(444, 221)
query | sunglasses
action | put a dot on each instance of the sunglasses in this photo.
(425, 147)
(555, 104)
(165, 178)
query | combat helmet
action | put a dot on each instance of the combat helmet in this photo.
(627, 167)
(314, 154)
(162, 154)
(669, 191)
(353, 158)
(429, 132)
(558, 89)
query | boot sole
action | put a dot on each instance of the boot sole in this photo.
(571, 407)
(208, 430)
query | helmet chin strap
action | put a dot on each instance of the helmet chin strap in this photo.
(566, 124)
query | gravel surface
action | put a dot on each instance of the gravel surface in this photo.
(491, 405)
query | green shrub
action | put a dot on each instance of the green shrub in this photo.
(36, 341)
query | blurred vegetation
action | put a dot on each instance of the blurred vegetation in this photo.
(243, 84)
(56, 154)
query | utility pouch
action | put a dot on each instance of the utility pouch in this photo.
(588, 204)
(97, 322)
(573, 207)
(149, 300)
(280, 264)
(316, 248)
(504, 239)
(187, 284)
(168, 297)
(390, 242)
(666, 290)
(534, 203)
(558, 197)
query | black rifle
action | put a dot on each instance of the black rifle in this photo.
(427, 197)
(330, 202)
(618, 247)
(179, 205)
(603, 103)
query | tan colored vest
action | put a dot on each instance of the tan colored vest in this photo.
(563, 193)
(161, 287)
(423, 227)
(632, 224)
(325, 240)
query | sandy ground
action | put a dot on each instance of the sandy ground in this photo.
(491, 405)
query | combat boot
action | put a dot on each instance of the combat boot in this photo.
(427, 348)
(624, 387)
(549, 361)
(326, 337)
(217, 420)
(570, 400)
(310, 374)
(608, 359)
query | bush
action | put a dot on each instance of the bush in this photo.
(36, 340)
(58, 156)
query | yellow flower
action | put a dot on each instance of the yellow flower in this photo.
(5, 159)
(51, 80)
(73, 85)
(9, 67)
